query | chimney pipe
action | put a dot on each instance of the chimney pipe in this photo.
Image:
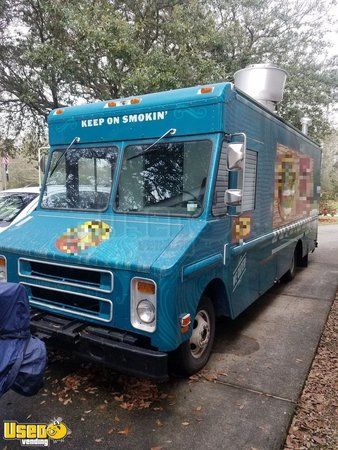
(306, 122)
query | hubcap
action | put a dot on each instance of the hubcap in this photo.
(201, 334)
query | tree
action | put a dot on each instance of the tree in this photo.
(290, 34)
(53, 52)
(330, 166)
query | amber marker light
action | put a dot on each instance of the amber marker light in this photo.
(135, 101)
(206, 90)
(3, 269)
(146, 287)
(111, 104)
(185, 323)
(59, 111)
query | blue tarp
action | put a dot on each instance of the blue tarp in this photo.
(22, 357)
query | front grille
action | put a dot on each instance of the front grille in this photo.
(84, 277)
(74, 303)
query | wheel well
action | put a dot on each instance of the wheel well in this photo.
(216, 291)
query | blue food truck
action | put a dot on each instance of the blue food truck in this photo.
(158, 213)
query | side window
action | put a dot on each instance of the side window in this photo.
(218, 206)
(249, 186)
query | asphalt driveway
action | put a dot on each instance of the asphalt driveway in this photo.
(244, 399)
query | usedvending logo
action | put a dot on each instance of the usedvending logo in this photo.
(239, 272)
(36, 434)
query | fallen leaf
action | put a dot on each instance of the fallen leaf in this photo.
(117, 419)
(159, 423)
(193, 378)
(185, 424)
(125, 431)
(125, 405)
(199, 408)
(98, 440)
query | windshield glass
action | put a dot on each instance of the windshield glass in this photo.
(81, 180)
(11, 204)
(169, 178)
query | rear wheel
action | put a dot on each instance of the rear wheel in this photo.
(303, 261)
(290, 274)
(192, 355)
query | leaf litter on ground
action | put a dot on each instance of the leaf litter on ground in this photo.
(314, 425)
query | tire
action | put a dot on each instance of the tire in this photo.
(290, 274)
(193, 354)
(303, 261)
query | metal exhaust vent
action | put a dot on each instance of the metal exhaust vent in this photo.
(263, 82)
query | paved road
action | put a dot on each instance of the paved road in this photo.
(245, 398)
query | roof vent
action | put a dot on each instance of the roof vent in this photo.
(306, 122)
(263, 82)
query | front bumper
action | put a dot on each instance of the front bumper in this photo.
(116, 349)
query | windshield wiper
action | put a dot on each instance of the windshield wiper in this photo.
(170, 132)
(76, 140)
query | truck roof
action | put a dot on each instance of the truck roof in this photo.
(192, 110)
(177, 97)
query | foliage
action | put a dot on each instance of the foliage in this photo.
(6, 147)
(330, 167)
(53, 53)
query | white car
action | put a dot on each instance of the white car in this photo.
(15, 204)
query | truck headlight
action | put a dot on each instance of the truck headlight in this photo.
(143, 304)
(146, 311)
(3, 269)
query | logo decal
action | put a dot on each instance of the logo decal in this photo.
(127, 118)
(239, 272)
(294, 191)
(241, 227)
(88, 234)
(36, 434)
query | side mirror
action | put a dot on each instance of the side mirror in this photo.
(235, 156)
(43, 163)
(233, 197)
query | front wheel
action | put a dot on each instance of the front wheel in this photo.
(192, 355)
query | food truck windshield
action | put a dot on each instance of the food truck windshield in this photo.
(165, 179)
(80, 179)
(169, 178)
